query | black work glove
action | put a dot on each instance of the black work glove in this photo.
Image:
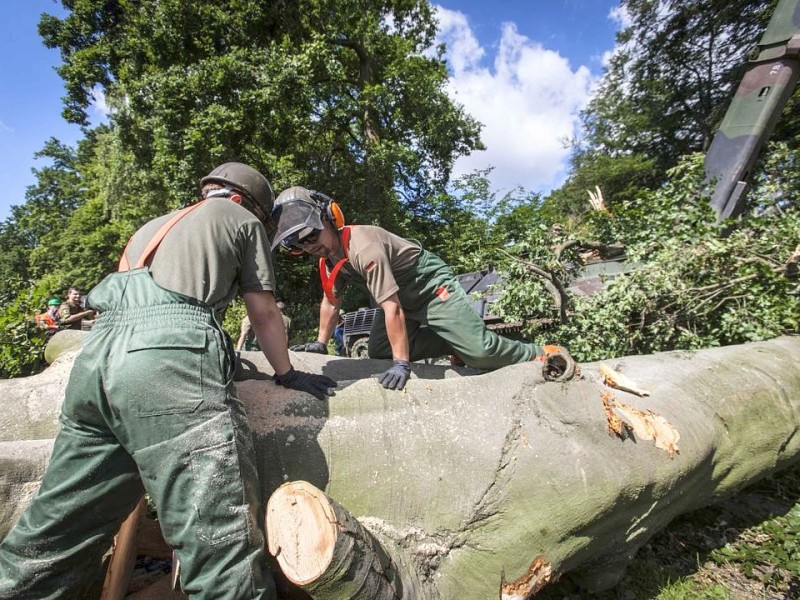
(318, 386)
(395, 378)
(316, 347)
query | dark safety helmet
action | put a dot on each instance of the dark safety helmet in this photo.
(245, 178)
(296, 214)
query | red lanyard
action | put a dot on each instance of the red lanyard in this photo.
(155, 241)
(327, 278)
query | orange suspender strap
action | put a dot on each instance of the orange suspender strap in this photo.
(124, 265)
(329, 279)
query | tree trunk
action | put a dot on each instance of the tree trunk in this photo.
(472, 483)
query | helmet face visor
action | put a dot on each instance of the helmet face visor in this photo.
(294, 217)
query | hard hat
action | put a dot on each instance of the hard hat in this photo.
(295, 211)
(54, 302)
(245, 178)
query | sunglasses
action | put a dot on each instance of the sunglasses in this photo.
(302, 238)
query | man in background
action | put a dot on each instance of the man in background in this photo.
(72, 312)
(247, 337)
(49, 319)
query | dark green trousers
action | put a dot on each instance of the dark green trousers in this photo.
(441, 323)
(150, 405)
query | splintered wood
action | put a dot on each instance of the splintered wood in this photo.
(617, 380)
(626, 421)
(615, 425)
(539, 574)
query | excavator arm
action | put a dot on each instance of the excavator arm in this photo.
(765, 89)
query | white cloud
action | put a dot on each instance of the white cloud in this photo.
(621, 16)
(4, 127)
(99, 101)
(528, 101)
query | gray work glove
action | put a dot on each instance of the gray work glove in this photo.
(316, 347)
(395, 378)
(318, 386)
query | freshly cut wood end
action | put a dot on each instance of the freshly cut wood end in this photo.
(617, 380)
(301, 531)
(539, 574)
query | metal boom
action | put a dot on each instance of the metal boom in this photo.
(765, 89)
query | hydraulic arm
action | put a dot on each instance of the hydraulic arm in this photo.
(765, 88)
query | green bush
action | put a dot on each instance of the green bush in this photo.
(697, 284)
(21, 341)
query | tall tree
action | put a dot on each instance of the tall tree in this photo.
(335, 94)
(668, 84)
(47, 208)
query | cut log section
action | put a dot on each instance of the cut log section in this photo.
(324, 549)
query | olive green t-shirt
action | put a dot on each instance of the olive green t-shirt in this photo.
(65, 311)
(375, 255)
(213, 253)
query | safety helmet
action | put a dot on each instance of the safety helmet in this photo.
(245, 178)
(54, 302)
(296, 212)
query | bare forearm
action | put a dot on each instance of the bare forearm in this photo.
(276, 351)
(328, 316)
(267, 323)
(77, 316)
(396, 328)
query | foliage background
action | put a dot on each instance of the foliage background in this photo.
(348, 96)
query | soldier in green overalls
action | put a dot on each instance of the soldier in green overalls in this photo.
(151, 406)
(426, 311)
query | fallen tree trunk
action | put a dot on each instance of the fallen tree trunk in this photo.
(462, 479)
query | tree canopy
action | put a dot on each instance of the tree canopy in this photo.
(340, 95)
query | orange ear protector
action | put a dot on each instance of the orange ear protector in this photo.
(336, 215)
(333, 212)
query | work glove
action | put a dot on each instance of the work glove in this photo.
(318, 386)
(316, 347)
(558, 364)
(395, 378)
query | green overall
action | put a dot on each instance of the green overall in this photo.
(440, 321)
(150, 404)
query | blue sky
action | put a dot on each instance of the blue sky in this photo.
(524, 68)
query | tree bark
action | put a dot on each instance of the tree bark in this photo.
(470, 483)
